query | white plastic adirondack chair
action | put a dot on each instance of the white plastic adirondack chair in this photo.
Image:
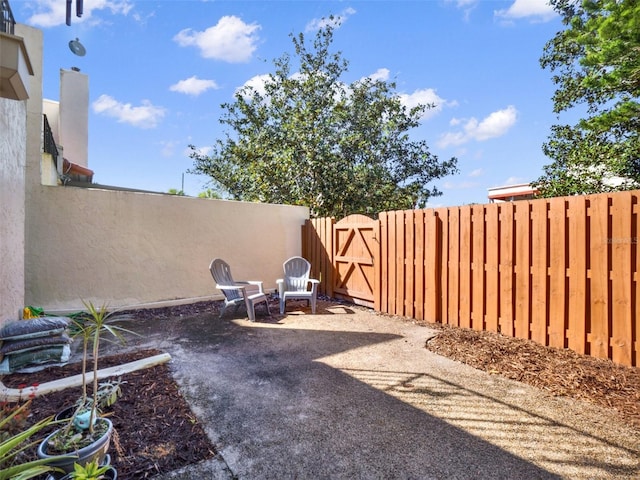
(296, 284)
(237, 293)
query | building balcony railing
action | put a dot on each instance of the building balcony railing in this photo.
(49, 144)
(7, 24)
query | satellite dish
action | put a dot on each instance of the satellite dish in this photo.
(77, 48)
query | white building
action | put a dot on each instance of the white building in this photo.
(510, 193)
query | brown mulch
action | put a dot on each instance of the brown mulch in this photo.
(558, 371)
(157, 431)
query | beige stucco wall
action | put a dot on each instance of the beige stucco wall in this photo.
(61, 245)
(17, 142)
(13, 137)
(127, 248)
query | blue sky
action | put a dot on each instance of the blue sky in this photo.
(159, 71)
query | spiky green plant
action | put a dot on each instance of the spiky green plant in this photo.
(91, 328)
(10, 448)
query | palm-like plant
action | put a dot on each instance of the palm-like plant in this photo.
(91, 326)
(11, 447)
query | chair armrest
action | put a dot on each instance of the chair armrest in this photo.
(231, 287)
(314, 280)
(255, 283)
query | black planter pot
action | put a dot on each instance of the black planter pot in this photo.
(65, 414)
(95, 451)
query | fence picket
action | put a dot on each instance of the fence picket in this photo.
(384, 262)
(523, 269)
(598, 276)
(492, 268)
(557, 272)
(441, 230)
(635, 315)
(392, 271)
(409, 263)
(464, 266)
(477, 267)
(432, 268)
(454, 267)
(539, 284)
(419, 220)
(507, 272)
(576, 319)
(401, 267)
(621, 279)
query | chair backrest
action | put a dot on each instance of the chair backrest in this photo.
(221, 273)
(296, 274)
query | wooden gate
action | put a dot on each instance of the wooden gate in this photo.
(356, 259)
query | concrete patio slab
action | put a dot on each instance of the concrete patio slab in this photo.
(350, 394)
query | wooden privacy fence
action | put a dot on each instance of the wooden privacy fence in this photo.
(563, 272)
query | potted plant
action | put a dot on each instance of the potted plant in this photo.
(12, 445)
(85, 435)
(108, 393)
(91, 471)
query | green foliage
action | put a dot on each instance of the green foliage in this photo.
(309, 139)
(90, 327)
(11, 448)
(596, 63)
(175, 191)
(209, 193)
(90, 471)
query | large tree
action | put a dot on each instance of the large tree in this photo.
(596, 64)
(309, 139)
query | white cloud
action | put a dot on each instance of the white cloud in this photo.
(257, 83)
(494, 125)
(143, 116)
(335, 22)
(452, 138)
(51, 13)
(478, 172)
(193, 86)
(464, 3)
(230, 40)
(425, 96)
(538, 10)
(201, 151)
(381, 74)
(467, 6)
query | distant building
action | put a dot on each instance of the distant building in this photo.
(510, 193)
